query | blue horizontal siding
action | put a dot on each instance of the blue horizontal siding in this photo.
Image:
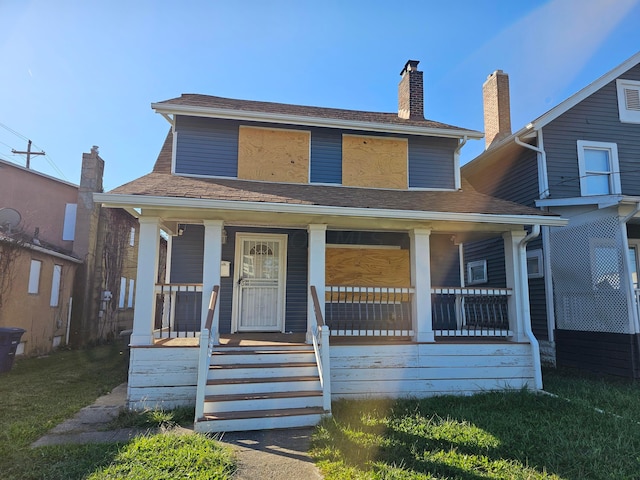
(431, 162)
(326, 156)
(206, 146)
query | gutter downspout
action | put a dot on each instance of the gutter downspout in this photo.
(456, 163)
(537, 368)
(543, 181)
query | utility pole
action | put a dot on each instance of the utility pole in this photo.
(28, 153)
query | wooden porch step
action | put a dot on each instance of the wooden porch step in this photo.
(263, 365)
(284, 412)
(228, 381)
(224, 350)
(261, 396)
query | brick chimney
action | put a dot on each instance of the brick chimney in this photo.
(410, 92)
(497, 108)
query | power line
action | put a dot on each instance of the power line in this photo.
(28, 153)
(18, 134)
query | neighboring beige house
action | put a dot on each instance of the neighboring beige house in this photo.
(60, 257)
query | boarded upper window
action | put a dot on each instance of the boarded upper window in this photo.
(376, 162)
(273, 155)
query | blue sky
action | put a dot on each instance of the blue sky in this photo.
(81, 73)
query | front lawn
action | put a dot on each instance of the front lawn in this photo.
(39, 393)
(516, 434)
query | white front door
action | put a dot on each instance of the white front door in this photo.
(259, 279)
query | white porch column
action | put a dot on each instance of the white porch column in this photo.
(421, 282)
(147, 276)
(316, 264)
(515, 262)
(211, 272)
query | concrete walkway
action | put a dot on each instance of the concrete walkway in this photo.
(265, 454)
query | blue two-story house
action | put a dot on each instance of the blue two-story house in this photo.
(581, 160)
(314, 254)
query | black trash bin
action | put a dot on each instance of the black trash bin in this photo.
(9, 340)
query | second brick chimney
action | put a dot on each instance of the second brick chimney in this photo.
(410, 92)
(497, 108)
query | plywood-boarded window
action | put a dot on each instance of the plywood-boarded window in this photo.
(273, 155)
(367, 267)
(376, 162)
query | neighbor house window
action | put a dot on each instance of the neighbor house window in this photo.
(606, 264)
(628, 100)
(477, 272)
(598, 166)
(69, 226)
(123, 292)
(534, 264)
(130, 296)
(132, 237)
(34, 276)
(55, 285)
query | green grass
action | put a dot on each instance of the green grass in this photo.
(515, 434)
(617, 396)
(169, 456)
(151, 418)
(39, 393)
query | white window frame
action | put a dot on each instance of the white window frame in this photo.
(614, 173)
(55, 286)
(130, 293)
(537, 256)
(132, 236)
(34, 277)
(123, 292)
(69, 226)
(471, 266)
(628, 113)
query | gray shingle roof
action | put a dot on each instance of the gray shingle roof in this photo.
(208, 101)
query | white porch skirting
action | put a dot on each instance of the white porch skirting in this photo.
(162, 377)
(166, 377)
(429, 369)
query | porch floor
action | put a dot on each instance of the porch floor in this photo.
(238, 340)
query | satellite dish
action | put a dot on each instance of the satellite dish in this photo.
(9, 219)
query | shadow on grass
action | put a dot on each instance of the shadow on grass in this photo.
(60, 462)
(504, 435)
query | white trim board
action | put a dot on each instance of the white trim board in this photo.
(118, 200)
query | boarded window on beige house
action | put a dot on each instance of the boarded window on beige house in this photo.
(274, 155)
(376, 162)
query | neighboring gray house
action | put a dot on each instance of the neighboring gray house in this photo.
(581, 160)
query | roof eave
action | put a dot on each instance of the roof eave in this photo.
(253, 116)
(590, 89)
(133, 201)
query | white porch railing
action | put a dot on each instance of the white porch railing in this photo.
(178, 307)
(206, 349)
(320, 333)
(369, 311)
(470, 312)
